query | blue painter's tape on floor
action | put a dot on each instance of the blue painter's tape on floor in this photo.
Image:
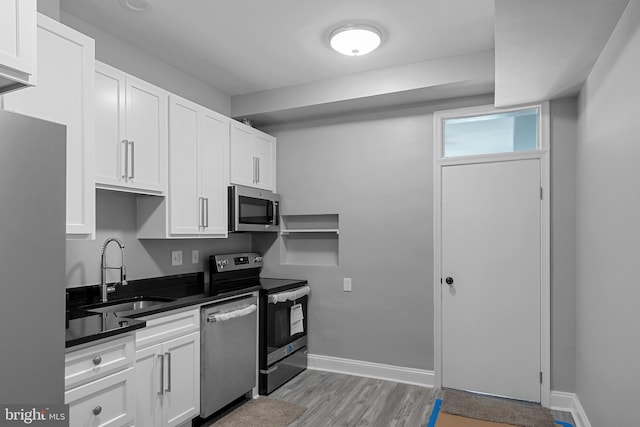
(434, 413)
(564, 424)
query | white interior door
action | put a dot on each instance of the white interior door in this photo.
(491, 228)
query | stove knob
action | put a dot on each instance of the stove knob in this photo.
(257, 259)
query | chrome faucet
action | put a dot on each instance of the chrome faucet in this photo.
(105, 289)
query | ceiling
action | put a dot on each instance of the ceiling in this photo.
(244, 46)
(272, 57)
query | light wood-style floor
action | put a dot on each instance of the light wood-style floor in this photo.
(343, 400)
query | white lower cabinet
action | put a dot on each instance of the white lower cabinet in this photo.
(106, 402)
(100, 384)
(168, 371)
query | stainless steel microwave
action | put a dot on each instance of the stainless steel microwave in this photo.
(252, 209)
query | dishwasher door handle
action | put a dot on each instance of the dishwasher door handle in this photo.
(221, 317)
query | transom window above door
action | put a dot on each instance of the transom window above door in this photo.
(507, 132)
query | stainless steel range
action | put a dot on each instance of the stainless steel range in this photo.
(283, 305)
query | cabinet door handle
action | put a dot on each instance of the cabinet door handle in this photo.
(97, 360)
(133, 160)
(97, 410)
(206, 216)
(125, 168)
(258, 174)
(254, 170)
(161, 357)
(168, 372)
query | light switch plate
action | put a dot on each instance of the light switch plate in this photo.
(176, 258)
(194, 256)
(347, 284)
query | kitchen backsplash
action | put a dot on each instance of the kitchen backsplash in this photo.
(116, 216)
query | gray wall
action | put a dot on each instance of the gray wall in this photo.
(116, 216)
(564, 114)
(608, 231)
(132, 60)
(50, 8)
(376, 171)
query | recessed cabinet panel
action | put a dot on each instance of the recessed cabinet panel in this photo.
(214, 171)
(18, 44)
(168, 373)
(252, 157)
(146, 134)
(105, 402)
(65, 94)
(110, 149)
(186, 207)
(242, 157)
(196, 203)
(265, 153)
(131, 133)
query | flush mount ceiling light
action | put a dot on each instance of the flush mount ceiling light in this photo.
(136, 5)
(355, 39)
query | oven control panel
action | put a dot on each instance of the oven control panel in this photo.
(231, 262)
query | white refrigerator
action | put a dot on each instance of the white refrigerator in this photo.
(32, 260)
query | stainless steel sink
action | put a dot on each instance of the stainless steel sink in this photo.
(130, 304)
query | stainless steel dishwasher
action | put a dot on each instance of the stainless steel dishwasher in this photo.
(229, 347)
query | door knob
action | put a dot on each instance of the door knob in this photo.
(449, 280)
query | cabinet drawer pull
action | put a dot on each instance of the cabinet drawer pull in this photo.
(168, 356)
(125, 169)
(206, 215)
(161, 357)
(97, 410)
(132, 174)
(97, 360)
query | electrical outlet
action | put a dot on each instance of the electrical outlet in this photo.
(347, 284)
(176, 258)
(194, 256)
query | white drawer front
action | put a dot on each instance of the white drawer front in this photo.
(109, 401)
(94, 362)
(166, 327)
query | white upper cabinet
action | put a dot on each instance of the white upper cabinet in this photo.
(253, 157)
(131, 133)
(18, 44)
(196, 203)
(65, 94)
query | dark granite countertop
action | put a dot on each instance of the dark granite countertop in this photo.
(95, 326)
(86, 326)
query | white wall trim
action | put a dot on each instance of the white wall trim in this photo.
(378, 371)
(569, 402)
(545, 235)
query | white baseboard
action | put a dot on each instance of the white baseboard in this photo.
(569, 402)
(379, 371)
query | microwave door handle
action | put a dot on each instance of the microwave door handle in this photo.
(273, 214)
(276, 213)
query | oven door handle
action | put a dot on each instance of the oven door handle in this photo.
(221, 317)
(289, 295)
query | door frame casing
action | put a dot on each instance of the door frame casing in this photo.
(543, 154)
